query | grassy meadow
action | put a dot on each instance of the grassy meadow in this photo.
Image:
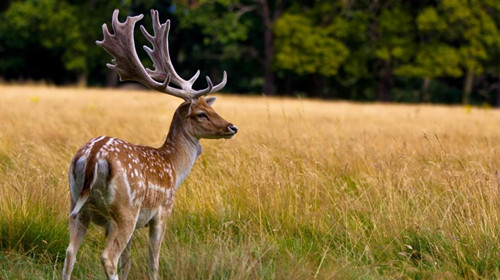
(306, 190)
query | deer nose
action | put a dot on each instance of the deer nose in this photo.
(233, 128)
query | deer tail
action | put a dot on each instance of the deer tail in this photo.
(95, 169)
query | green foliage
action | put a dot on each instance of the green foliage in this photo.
(474, 27)
(305, 48)
(433, 61)
(353, 31)
(49, 24)
(457, 39)
(360, 50)
(223, 30)
(429, 20)
(395, 40)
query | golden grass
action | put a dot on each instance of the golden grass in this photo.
(307, 189)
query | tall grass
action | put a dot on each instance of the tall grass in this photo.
(307, 189)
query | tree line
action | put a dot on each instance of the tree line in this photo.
(444, 51)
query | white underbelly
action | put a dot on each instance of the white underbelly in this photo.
(145, 215)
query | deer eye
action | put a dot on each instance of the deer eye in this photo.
(202, 115)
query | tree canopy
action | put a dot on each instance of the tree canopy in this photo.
(412, 51)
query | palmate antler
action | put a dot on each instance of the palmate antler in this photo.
(129, 67)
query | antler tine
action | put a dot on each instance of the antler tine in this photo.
(211, 88)
(222, 84)
(160, 54)
(121, 46)
(126, 63)
(210, 84)
(195, 77)
(167, 81)
(112, 43)
(115, 22)
(163, 64)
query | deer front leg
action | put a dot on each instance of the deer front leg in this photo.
(119, 233)
(77, 228)
(125, 261)
(156, 232)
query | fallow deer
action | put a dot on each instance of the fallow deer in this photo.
(122, 186)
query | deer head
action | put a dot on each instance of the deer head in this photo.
(200, 120)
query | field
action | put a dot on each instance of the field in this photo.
(306, 189)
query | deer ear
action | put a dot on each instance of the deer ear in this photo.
(210, 100)
(186, 108)
(189, 109)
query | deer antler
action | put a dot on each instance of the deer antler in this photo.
(129, 67)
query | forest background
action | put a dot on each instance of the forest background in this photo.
(367, 50)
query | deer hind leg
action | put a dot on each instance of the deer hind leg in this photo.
(157, 229)
(125, 261)
(119, 234)
(77, 228)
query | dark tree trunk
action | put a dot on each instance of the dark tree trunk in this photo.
(424, 95)
(385, 83)
(288, 85)
(319, 85)
(268, 58)
(81, 79)
(469, 82)
(268, 18)
(497, 100)
(111, 79)
(495, 89)
(382, 67)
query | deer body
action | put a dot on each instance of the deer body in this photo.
(146, 176)
(122, 186)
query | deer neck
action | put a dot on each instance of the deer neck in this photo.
(182, 148)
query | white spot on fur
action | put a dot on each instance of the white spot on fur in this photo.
(91, 144)
(132, 197)
(141, 184)
(111, 139)
(157, 188)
